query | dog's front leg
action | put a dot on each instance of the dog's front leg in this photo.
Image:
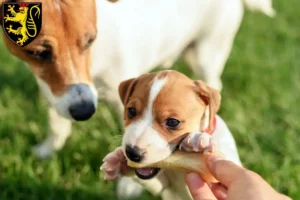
(59, 131)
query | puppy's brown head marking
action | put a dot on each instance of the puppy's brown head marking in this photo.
(180, 105)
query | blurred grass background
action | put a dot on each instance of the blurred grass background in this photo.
(260, 105)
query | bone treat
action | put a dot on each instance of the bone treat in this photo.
(180, 160)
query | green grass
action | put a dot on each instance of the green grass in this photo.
(260, 105)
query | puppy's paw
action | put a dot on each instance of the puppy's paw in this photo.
(197, 142)
(115, 165)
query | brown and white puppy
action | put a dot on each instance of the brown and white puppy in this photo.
(165, 111)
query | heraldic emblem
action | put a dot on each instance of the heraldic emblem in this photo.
(22, 22)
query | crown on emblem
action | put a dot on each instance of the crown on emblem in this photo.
(23, 5)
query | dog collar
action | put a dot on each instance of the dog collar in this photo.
(213, 127)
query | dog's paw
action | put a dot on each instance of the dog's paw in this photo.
(197, 142)
(115, 165)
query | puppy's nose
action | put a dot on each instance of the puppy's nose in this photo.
(82, 111)
(135, 154)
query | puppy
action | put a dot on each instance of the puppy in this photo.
(165, 111)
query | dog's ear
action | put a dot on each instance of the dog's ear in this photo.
(212, 99)
(126, 89)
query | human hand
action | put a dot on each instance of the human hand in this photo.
(236, 183)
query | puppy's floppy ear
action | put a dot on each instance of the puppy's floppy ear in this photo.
(126, 89)
(212, 99)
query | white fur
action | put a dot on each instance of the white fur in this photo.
(59, 119)
(59, 131)
(263, 5)
(136, 36)
(62, 103)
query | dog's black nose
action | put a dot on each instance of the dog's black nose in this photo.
(135, 154)
(82, 111)
(82, 102)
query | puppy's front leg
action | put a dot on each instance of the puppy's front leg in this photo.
(59, 131)
(197, 142)
(115, 165)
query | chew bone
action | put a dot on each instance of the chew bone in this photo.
(181, 160)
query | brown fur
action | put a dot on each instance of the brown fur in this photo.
(179, 99)
(66, 28)
(135, 93)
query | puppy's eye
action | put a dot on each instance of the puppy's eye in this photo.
(131, 112)
(45, 55)
(172, 123)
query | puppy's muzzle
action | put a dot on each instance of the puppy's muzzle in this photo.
(82, 105)
(136, 155)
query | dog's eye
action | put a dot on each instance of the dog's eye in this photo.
(41, 55)
(131, 112)
(89, 42)
(172, 123)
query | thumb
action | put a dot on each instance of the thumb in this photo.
(223, 170)
(198, 188)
